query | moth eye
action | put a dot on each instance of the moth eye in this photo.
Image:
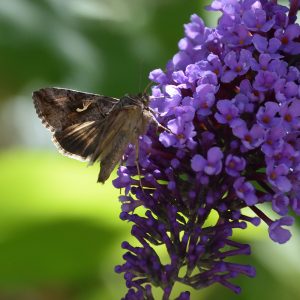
(145, 99)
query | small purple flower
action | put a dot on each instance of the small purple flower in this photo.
(123, 180)
(290, 113)
(273, 141)
(184, 296)
(280, 67)
(196, 29)
(128, 203)
(214, 161)
(237, 65)
(252, 95)
(263, 45)
(243, 104)
(285, 90)
(266, 115)
(287, 37)
(279, 234)
(239, 37)
(263, 63)
(198, 163)
(277, 177)
(280, 204)
(293, 74)
(181, 60)
(227, 6)
(182, 131)
(285, 155)
(193, 72)
(234, 165)
(265, 80)
(158, 76)
(256, 20)
(212, 165)
(245, 191)
(215, 64)
(172, 99)
(228, 112)
(204, 99)
(250, 138)
(181, 79)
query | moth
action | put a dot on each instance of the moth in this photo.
(92, 127)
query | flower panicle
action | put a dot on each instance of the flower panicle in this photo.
(230, 99)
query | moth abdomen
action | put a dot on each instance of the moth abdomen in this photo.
(113, 156)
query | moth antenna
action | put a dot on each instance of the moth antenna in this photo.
(147, 87)
(141, 72)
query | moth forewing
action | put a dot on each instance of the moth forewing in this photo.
(113, 125)
(132, 121)
(59, 108)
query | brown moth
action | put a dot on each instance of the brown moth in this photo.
(92, 127)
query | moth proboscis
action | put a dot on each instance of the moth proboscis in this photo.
(92, 127)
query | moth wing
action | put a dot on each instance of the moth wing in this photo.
(123, 127)
(105, 140)
(59, 108)
(80, 140)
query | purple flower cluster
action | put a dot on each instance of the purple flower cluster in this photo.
(231, 101)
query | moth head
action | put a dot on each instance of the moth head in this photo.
(144, 98)
(140, 99)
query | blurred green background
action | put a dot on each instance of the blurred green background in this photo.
(60, 233)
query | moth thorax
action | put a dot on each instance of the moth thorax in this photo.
(141, 100)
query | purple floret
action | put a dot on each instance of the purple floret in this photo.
(234, 165)
(279, 234)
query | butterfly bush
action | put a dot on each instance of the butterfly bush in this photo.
(230, 100)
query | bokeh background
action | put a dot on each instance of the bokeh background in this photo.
(60, 233)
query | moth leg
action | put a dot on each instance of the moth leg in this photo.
(164, 128)
(158, 124)
(137, 162)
